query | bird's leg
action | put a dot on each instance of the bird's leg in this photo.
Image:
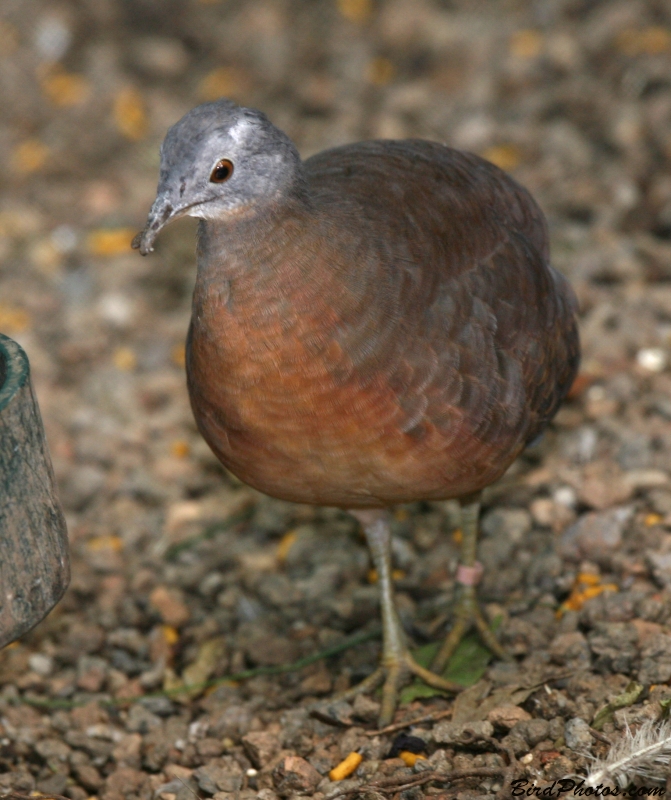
(396, 663)
(467, 612)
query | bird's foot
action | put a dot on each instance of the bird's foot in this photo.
(396, 665)
(392, 674)
(468, 615)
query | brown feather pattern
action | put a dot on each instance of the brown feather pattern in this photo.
(394, 333)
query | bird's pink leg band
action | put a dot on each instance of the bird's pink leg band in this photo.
(469, 576)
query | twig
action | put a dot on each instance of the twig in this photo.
(282, 669)
(510, 773)
(600, 737)
(398, 726)
(43, 796)
(393, 785)
(46, 796)
(186, 786)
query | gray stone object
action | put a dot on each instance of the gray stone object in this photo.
(34, 563)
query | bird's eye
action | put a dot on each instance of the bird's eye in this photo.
(222, 172)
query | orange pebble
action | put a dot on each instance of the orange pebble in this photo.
(285, 544)
(178, 355)
(396, 575)
(346, 767)
(410, 758)
(588, 578)
(170, 634)
(180, 449)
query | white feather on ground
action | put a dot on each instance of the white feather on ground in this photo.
(645, 755)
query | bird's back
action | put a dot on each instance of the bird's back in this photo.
(467, 248)
(419, 341)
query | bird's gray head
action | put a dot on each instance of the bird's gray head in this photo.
(220, 160)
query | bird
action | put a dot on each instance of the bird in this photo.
(375, 325)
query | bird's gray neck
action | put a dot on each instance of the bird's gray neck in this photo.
(254, 243)
(255, 263)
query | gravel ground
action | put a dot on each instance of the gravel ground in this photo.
(181, 575)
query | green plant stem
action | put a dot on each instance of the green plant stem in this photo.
(281, 669)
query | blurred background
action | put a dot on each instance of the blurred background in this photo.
(572, 97)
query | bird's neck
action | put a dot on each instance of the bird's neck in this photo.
(255, 247)
(264, 273)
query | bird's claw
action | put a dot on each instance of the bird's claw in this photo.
(392, 675)
(467, 615)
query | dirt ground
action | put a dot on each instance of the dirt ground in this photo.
(183, 576)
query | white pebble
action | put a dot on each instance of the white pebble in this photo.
(652, 358)
(565, 496)
(527, 759)
(52, 38)
(115, 308)
(587, 441)
(197, 730)
(251, 772)
(64, 238)
(41, 664)
(596, 393)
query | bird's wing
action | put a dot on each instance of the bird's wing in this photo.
(457, 308)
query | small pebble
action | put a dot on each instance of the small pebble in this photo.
(565, 496)
(449, 732)
(653, 359)
(507, 716)
(577, 735)
(596, 535)
(64, 238)
(513, 522)
(52, 37)
(41, 664)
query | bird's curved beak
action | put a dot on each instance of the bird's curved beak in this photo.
(161, 212)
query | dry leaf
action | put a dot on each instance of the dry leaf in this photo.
(380, 71)
(644, 41)
(224, 82)
(210, 655)
(29, 156)
(124, 359)
(13, 319)
(109, 241)
(130, 115)
(526, 44)
(505, 156)
(357, 11)
(65, 89)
